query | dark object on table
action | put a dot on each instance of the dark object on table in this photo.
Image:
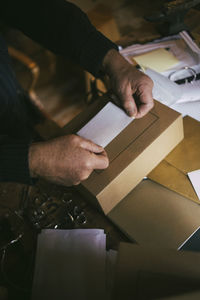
(172, 14)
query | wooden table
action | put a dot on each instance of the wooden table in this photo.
(19, 261)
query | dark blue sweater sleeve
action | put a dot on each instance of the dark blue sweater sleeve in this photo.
(14, 160)
(61, 27)
(64, 29)
(15, 124)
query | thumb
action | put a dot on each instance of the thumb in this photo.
(128, 102)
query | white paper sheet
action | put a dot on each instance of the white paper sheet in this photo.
(191, 109)
(188, 54)
(70, 264)
(179, 45)
(106, 125)
(195, 180)
(190, 92)
(164, 90)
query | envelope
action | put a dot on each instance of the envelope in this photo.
(172, 171)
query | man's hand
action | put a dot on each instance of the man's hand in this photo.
(132, 87)
(66, 160)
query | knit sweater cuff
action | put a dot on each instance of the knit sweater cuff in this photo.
(94, 51)
(14, 163)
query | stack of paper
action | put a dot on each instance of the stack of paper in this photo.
(163, 58)
(72, 264)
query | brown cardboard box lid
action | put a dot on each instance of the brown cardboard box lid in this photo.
(172, 171)
(132, 154)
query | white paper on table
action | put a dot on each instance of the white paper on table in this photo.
(105, 125)
(181, 46)
(164, 90)
(190, 92)
(195, 180)
(70, 264)
(191, 109)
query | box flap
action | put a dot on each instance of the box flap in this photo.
(172, 171)
(153, 273)
(152, 214)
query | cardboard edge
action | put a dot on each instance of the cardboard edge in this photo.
(173, 135)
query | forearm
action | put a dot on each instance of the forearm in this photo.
(14, 160)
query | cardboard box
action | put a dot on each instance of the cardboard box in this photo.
(132, 154)
(185, 158)
(153, 273)
(154, 215)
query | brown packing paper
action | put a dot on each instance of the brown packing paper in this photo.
(154, 215)
(152, 273)
(172, 171)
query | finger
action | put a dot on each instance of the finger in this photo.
(128, 102)
(90, 146)
(144, 109)
(100, 161)
(145, 101)
(115, 99)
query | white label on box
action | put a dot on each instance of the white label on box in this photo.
(105, 125)
(195, 180)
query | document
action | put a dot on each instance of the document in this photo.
(187, 53)
(106, 125)
(73, 264)
(188, 109)
(70, 264)
(190, 91)
(195, 180)
(158, 60)
(164, 90)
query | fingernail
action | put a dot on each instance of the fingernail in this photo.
(131, 112)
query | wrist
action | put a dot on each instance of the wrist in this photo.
(113, 61)
(33, 158)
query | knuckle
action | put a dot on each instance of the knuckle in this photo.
(106, 162)
(83, 175)
(76, 182)
(151, 81)
(151, 104)
(73, 138)
(120, 90)
(87, 164)
(127, 104)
